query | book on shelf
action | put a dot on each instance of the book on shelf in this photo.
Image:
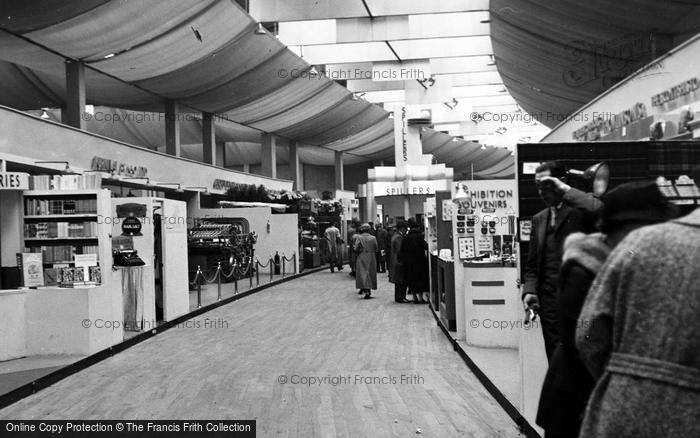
(47, 230)
(88, 181)
(44, 207)
(62, 253)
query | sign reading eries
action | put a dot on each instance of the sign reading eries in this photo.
(14, 181)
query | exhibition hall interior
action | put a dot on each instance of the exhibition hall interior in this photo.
(350, 218)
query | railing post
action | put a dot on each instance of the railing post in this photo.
(294, 255)
(218, 278)
(272, 268)
(199, 286)
(284, 264)
(235, 277)
(250, 271)
(257, 272)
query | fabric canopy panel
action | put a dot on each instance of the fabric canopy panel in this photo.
(207, 55)
(555, 57)
(467, 158)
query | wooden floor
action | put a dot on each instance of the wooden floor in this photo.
(227, 365)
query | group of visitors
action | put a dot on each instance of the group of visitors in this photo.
(401, 251)
(618, 309)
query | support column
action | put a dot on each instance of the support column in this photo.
(406, 207)
(246, 168)
(172, 128)
(220, 154)
(208, 139)
(294, 166)
(75, 95)
(269, 156)
(339, 177)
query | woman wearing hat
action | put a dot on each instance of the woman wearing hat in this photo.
(365, 247)
(414, 257)
(568, 383)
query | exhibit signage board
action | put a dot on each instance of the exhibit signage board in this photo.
(14, 181)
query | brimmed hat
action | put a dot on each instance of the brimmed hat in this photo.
(637, 201)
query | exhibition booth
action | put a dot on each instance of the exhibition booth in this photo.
(94, 247)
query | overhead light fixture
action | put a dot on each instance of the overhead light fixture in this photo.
(524, 139)
(492, 61)
(483, 147)
(391, 115)
(503, 90)
(431, 81)
(44, 114)
(455, 139)
(502, 130)
(67, 169)
(313, 71)
(260, 30)
(108, 56)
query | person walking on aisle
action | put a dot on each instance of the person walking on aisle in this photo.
(396, 271)
(365, 247)
(381, 244)
(335, 256)
(353, 232)
(414, 257)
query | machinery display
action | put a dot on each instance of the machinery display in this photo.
(221, 240)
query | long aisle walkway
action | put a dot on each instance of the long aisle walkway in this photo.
(381, 369)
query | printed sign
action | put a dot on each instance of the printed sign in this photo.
(14, 181)
(131, 226)
(33, 269)
(465, 246)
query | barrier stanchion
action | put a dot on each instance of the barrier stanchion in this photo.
(294, 256)
(235, 277)
(250, 271)
(284, 264)
(272, 268)
(257, 272)
(218, 278)
(199, 286)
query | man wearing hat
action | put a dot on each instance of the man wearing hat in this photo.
(568, 211)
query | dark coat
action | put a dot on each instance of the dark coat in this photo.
(639, 326)
(413, 256)
(396, 274)
(365, 247)
(575, 215)
(568, 384)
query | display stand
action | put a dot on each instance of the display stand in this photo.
(68, 314)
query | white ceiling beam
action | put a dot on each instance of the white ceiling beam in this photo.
(396, 28)
(406, 50)
(299, 10)
(439, 66)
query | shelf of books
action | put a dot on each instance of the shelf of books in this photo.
(66, 240)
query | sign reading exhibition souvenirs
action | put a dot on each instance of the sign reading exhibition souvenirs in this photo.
(676, 92)
(604, 125)
(493, 203)
(14, 181)
(124, 169)
(400, 188)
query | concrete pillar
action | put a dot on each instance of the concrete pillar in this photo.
(220, 158)
(268, 157)
(339, 176)
(294, 165)
(172, 128)
(246, 168)
(406, 207)
(75, 95)
(208, 139)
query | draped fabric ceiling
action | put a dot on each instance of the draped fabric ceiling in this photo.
(209, 57)
(204, 54)
(470, 160)
(556, 56)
